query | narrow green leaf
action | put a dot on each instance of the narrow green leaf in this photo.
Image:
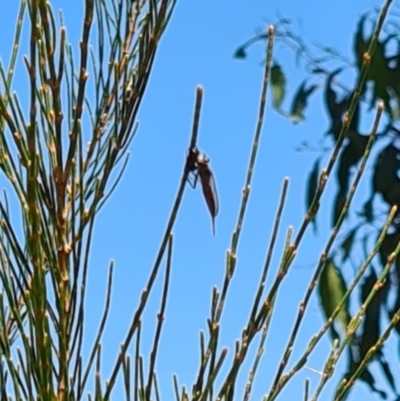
(278, 82)
(347, 244)
(340, 201)
(388, 373)
(312, 186)
(331, 289)
(371, 325)
(300, 102)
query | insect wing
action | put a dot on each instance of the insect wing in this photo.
(209, 191)
(213, 189)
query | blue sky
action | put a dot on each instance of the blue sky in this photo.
(197, 49)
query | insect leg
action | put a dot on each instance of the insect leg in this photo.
(195, 179)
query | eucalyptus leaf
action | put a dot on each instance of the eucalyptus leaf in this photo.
(331, 289)
(278, 82)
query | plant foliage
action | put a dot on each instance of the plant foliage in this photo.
(381, 86)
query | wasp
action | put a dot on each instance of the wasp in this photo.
(197, 163)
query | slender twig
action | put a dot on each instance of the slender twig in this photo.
(251, 328)
(60, 188)
(354, 324)
(154, 272)
(176, 387)
(16, 43)
(344, 387)
(324, 255)
(346, 123)
(229, 382)
(126, 368)
(315, 339)
(256, 140)
(99, 331)
(327, 371)
(306, 389)
(271, 248)
(137, 359)
(160, 317)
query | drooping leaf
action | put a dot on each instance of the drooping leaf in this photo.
(397, 270)
(365, 376)
(385, 169)
(371, 324)
(385, 180)
(331, 289)
(394, 75)
(348, 158)
(379, 73)
(347, 244)
(312, 186)
(334, 106)
(394, 310)
(360, 44)
(396, 304)
(337, 109)
(331, 101)
(278, 82)
(355, 121)
(368, 212)
(240, 53)
(359, 143)
(300, 102)
(380, 91)
(389, 244)
(388, 373)
(340, 200)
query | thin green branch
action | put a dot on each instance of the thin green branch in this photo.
(229, 383)
(154, 272)
(160, 320)
(277, 385)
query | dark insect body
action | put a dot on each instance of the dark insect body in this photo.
(197, 163)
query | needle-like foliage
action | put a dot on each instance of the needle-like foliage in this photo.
(62, 175)
(63, 149)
